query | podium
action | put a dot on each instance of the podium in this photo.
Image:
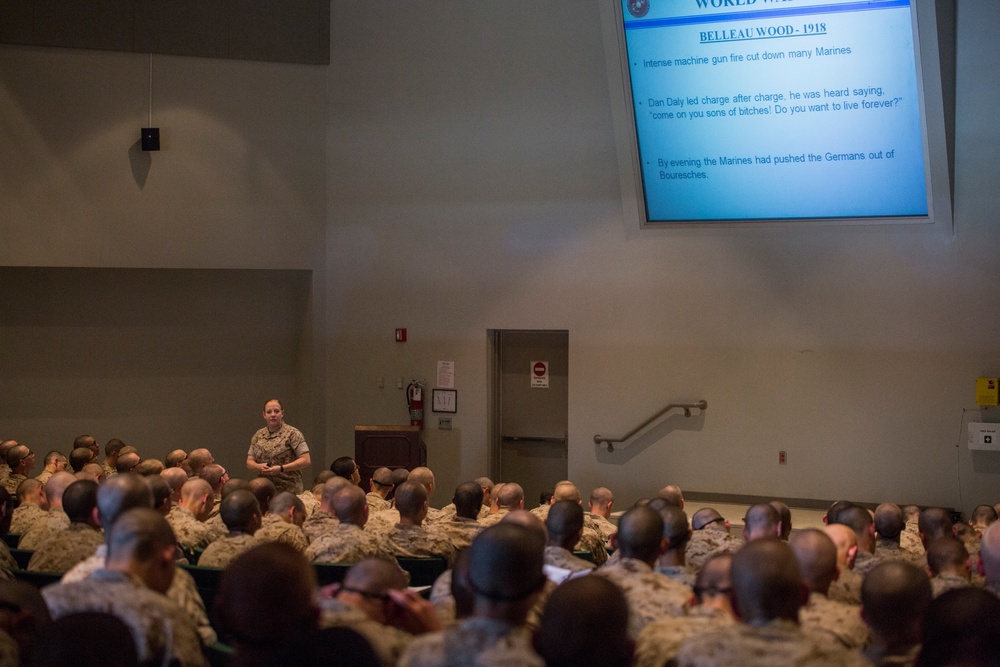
(387, 447)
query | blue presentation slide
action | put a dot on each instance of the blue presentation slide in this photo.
(776, 109)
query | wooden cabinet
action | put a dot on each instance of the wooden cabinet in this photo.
(387, 446)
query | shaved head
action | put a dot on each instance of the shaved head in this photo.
(564, 523)
(844, 539)
(816, 555)
(767, 584)
(510, 496)
(889, 521)
(761, 521)
(566, 490)
(672, 494)
(349, 505)
(585, 622)
(640, 534)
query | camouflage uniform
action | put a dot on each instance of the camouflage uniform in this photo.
(709, 541)
(12, 482)
(909, 539)
(822, 617)
(558, 557)
(460, 530)
(650, 595)
(189, 531)
(7, 563)
(847, 588)
(44, 476)
(377, 503)
(387, 641)
(419, 542)
(886, 550)
(4, 472)
(53, 521)
(216, 507)
(319, 524)
(947, 581)
(25, 516)
(310, 502)
(276, 529)
(604, 527)
(222, 552)
(779, 642)
(493, 519)
(474, 641)
(436, 516)
(449, 511)
(108, 470)
(347, 543)
(380, 523)
(183, 592)
(542, 512)
(592, 541)
(661, 640)
(280, 448)
(66, 548)
(679, 573)
(217, 528)
(161, 630)
(444, 602)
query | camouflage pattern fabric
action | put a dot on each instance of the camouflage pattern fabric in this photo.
(66, 548)
(318, 524)
(54, 521)
(779, 642)
(650, 596)
(823, 617)
(474, 641)
(460, 530)
(161, 630)
(388, 642)
(25, 516)
(189, 531)
(222, 552)
(660, 641)
(279, 448)
(276, 529)
(709, 541)
(419, 542)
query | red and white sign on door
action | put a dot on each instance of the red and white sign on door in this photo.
(539, 375)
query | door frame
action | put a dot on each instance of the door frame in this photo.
(494, 395)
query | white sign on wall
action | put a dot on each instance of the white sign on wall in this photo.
(539, 375)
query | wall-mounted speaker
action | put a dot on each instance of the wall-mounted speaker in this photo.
(150, 138)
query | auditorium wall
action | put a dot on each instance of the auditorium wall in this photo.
(159, 297)
(473, 186)
(453, 171)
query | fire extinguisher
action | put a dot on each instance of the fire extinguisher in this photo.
(415, 401)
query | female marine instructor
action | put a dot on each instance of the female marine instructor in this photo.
(278, 451)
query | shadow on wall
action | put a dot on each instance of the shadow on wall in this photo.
(140, 161)
(626, 451)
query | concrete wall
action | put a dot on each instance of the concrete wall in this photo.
(164, 352)
(453, 171)
(473, 186)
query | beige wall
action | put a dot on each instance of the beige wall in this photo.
(453, 171)
(170, 356)
(473, 186)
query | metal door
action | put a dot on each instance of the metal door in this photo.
(531, 412)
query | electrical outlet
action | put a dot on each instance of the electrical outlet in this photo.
(444, 423)
(782, 458)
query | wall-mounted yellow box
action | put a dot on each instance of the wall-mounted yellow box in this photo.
(987, 391)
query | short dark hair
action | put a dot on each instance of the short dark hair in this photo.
(343, 467)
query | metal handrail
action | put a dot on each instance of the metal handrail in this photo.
(687, 407)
